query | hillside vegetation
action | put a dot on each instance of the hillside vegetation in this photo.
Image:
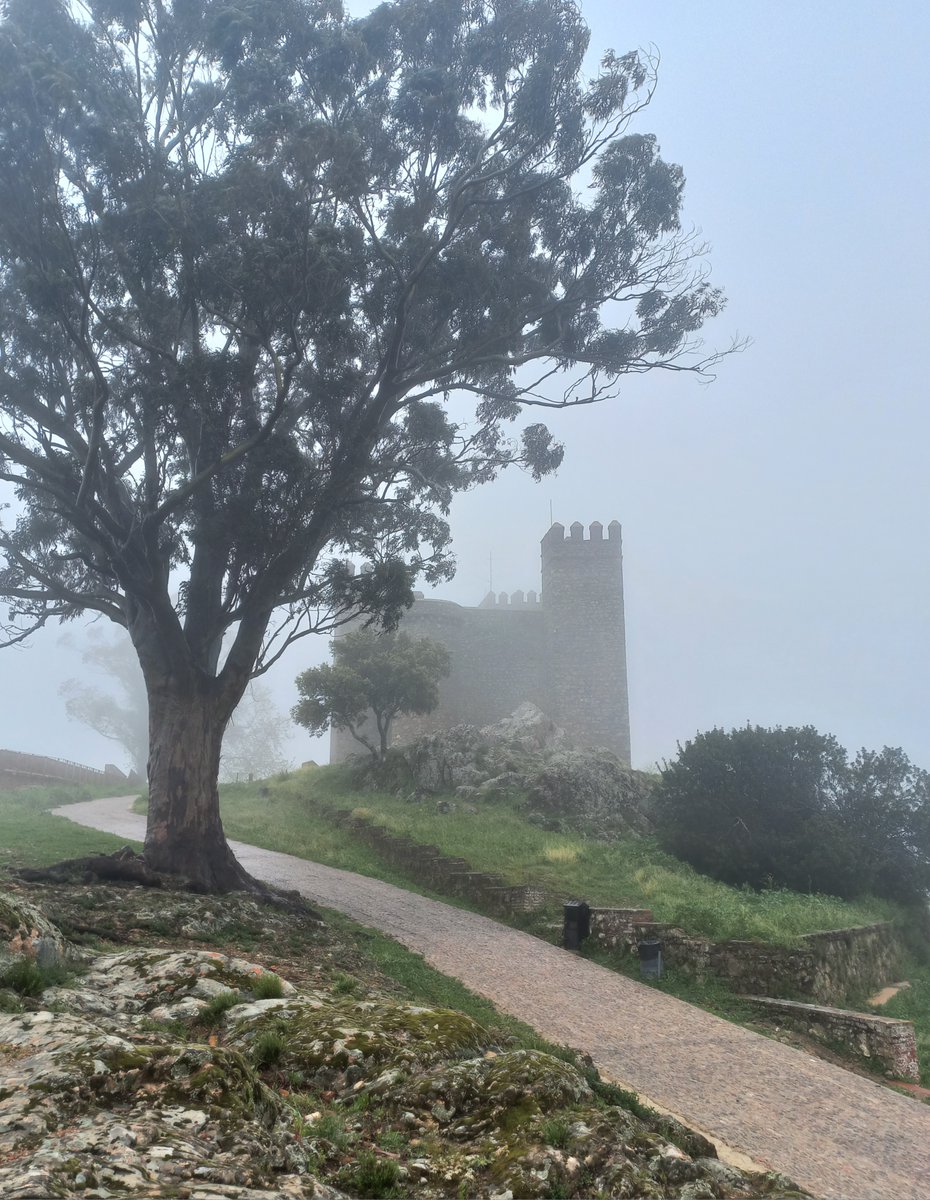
(495, 835)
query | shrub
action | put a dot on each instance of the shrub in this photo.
(370, 1177)
(268, 1048)
(221, 1003)
(786, 808)
(25, 977)
(267, 986)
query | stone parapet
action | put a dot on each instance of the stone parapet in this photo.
(826, 966)
(886, 1042)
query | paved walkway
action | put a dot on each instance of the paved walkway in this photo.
(840, 1136)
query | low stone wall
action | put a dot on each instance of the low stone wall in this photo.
(441, 872)
(887, 1042)
(826, 966)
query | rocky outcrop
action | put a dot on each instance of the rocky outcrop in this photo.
(26, 933)
(197, 1074)
(527, 755)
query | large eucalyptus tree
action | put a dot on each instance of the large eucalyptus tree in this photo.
(274, 285)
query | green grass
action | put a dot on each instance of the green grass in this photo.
(31, 836)
(268, 1047)
(913, 1004)
(25, 977)
(282, 820)
(268, 986)
(498, 838)
(216, 1008)
(431, 988)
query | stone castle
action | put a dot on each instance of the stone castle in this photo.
(564, 650)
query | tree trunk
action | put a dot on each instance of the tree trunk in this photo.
(185, 835)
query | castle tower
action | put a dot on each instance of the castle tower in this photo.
(582, 602)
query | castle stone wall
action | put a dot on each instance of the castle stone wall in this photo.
(582, 582)
(564, 651)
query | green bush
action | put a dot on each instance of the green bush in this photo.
(370, 1177)
(221, 1003)
(776, 808)
(25, 977)
(267, 986)
(268, 1048)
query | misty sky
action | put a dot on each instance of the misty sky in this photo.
(775, 523)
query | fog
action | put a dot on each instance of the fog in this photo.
(774, 522)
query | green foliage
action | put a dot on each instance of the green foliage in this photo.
(31, 836)
(10, 1001)
(555, 1131)
(332, 1128)
(345, 985)
(267, 986)
(386, 674)
(913, 1004)
(212, 1013)
(26, 977)
(370, 1176)
(635, 872)
(786, 807)
(497, 837)
(268, 1047)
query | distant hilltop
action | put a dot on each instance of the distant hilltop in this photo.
(564, 651)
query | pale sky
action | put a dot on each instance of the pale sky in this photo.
(775, 522)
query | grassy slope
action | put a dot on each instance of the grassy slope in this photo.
(288, 817)
(30, 836)
(497, 838)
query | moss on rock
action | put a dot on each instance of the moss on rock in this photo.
(364, 1036)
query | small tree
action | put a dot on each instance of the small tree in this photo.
(786, 806)
(375, 676)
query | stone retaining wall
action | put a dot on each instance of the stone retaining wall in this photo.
(826, 966)
(885, 1041)
(441, 872)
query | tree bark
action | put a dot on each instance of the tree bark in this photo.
(184, 835)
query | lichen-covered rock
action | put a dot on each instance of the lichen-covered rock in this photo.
(363, 1038)
(26, 932)
(164, 985)
(130, 1087)
(528, 755)
(592, 791)
(85, 1112)
(478, 1089)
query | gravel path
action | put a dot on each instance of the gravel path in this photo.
(839, 1135)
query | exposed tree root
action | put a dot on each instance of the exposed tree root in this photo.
(126, 866)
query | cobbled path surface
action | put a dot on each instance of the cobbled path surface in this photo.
(839, 1135)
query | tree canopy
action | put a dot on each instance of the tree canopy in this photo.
(373, 679)
(787, 807)
(275, 284)
(116, 707)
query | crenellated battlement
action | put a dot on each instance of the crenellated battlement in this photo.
(556, 539)
(516, 600)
